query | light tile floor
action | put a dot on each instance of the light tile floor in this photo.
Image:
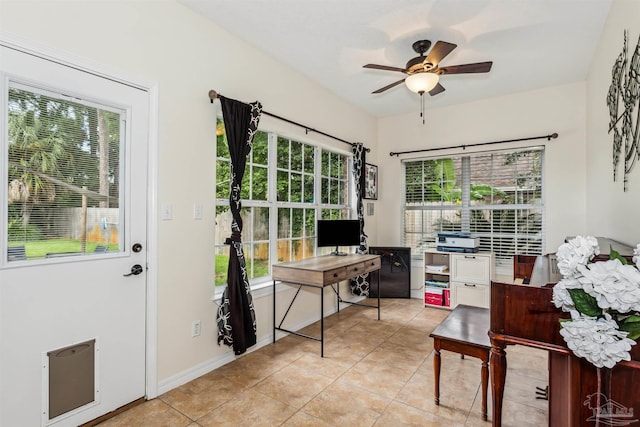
(374, 373)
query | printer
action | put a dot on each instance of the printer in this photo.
(457, 242)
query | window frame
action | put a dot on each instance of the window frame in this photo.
(465, 209)
(98, 246)
(274, 205)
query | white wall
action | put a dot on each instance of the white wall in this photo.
(556, 109)
(611, 211)
(162, 41)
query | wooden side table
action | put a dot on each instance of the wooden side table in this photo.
(465, 331)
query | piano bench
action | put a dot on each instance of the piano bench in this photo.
(465, 331)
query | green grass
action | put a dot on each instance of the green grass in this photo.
(40, 248)
(222, 261)
(260, 269)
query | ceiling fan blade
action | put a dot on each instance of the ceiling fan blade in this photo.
(478, 67)
(382, 89)
(436, 90)
(384, 67)
(439, 51)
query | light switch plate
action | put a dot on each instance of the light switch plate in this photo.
(197, 211)
(167, 211)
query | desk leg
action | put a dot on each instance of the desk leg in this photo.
(321, 322)
(274, 311)
(379, 292)
(485, 384)
(436, 369)
(498, 375)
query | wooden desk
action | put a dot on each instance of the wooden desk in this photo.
(466, 331)
(319, 272)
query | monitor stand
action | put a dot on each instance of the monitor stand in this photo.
(338, 253)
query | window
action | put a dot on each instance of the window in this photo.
(63, 175)
(254, 213)
(496, 196)
(287, 185)
(295, 189)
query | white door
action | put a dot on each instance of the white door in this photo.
(72, 323)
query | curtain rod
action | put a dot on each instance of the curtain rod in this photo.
(213, 95)
(548, 137)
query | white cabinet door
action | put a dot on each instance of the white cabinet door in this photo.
(470, 294)
(471, 268)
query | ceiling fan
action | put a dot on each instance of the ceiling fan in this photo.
(424, 72)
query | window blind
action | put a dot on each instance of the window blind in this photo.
(63, 174)
(497, 196)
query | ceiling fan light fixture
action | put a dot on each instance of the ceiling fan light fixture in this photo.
(422, 82)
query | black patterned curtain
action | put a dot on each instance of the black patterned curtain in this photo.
(360, 285)
(236, 315)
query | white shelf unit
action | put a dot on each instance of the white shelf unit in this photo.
(467, 279)
(437, 290)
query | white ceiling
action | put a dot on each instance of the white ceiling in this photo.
(532, 43)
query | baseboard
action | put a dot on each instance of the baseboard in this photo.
(194, 372)
(207, 366)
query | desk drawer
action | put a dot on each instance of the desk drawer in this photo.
(372, 265)
(336, 275)
(355, 270)
(343, 273)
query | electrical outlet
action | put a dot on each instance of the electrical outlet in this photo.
(195, 328)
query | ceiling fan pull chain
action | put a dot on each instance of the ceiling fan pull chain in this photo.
(422, 106)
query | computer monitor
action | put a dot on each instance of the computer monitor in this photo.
(336, 233)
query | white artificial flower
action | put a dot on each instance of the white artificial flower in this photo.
(561, 297)
(577, 251)
(615, 286)
(636, 256)
(597, 340)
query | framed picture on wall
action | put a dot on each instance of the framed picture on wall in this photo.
(370, 181)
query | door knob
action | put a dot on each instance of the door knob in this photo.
(135, 270)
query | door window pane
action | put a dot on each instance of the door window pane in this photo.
(63, 175)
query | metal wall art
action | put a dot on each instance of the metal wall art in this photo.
(624, 110)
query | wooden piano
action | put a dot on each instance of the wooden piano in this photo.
(524, 314)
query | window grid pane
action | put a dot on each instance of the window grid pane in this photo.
(335, 179)
(255, 239)
(296, 233)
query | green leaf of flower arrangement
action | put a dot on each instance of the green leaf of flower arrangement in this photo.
(631, 324)
(634, 318)
(585, 303)
(613, 254)
(633, 329)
